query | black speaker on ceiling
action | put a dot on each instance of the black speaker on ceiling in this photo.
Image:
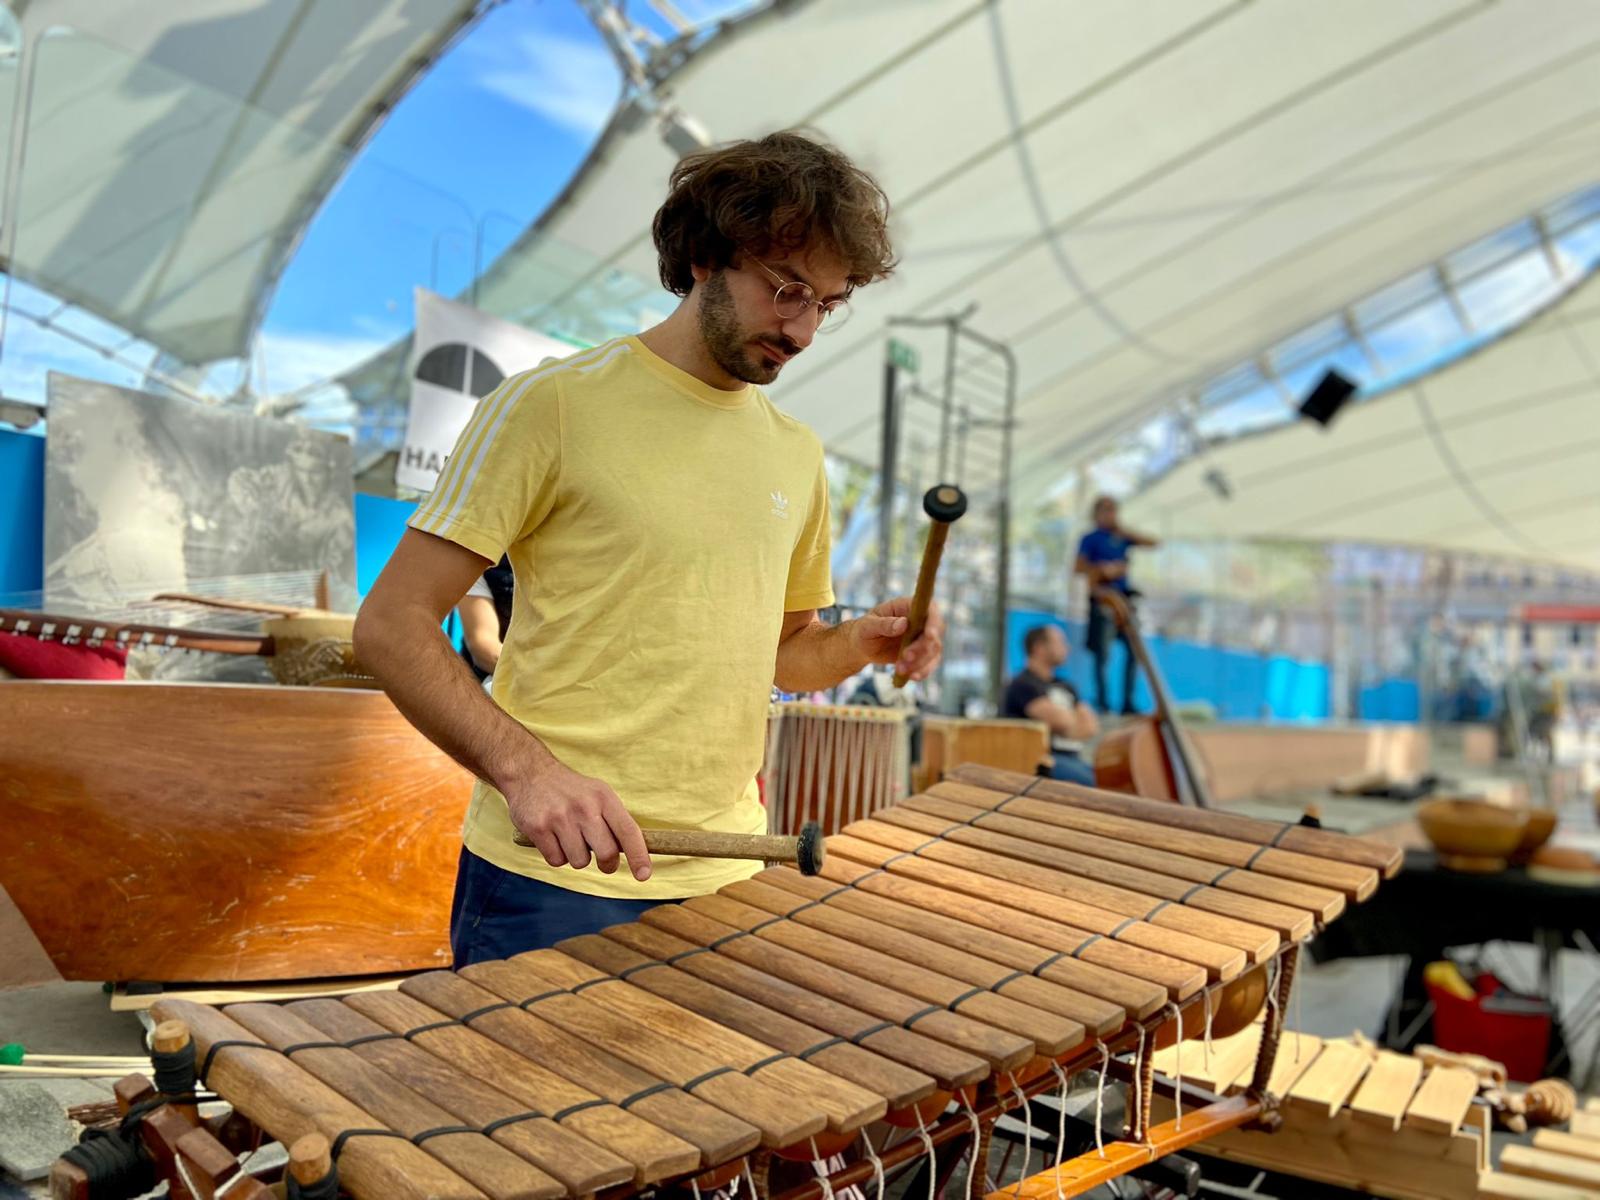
(1327, 398)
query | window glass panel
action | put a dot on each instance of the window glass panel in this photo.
(1488, 253)
(1314, 342)
(1414, 290)
(1416, 339)
(1348, 360)
(1506, 294)
(1580, 248)
(1258, 409)
(1241, 379)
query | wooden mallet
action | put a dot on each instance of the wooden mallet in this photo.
(806, 851)
(944, 503)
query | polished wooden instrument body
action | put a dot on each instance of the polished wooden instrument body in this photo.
(1148, 756)
(960, 950)
(226, 832)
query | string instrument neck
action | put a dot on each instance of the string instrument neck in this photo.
(90, 631)
(1182, 760)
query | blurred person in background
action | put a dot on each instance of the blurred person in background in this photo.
(1103, 562)
(1037, 694)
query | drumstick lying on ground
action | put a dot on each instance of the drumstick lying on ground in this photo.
(806, 851)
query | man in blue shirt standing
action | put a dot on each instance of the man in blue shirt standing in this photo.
(1103, 561)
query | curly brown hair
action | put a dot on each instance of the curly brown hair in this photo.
(771, 195)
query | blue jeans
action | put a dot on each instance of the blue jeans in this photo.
(497, 913)
(1069, 768)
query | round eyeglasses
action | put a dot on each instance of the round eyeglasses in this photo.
(793, 297)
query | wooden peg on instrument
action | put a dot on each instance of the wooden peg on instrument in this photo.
(311, 1167)
(806, 851)
(945, 504)
(172, 1054)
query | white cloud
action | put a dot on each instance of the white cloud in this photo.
(572, 83)
(292, 360)
(31, 351)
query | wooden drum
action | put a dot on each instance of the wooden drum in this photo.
(833, 764)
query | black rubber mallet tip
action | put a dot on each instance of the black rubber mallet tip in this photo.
(810, 852)
(944, 502)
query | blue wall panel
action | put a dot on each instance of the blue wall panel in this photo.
(1391, 700)
(379, 523)
(1238, 684)
(21, 519)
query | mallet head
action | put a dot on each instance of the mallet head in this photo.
(810, 852)
(944, 502)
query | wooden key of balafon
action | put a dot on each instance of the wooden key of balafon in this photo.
(806, 851)
(944, 503)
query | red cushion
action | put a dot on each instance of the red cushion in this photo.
(30, 658)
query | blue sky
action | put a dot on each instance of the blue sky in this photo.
(474, 153)
(477, 148)
(471, 156)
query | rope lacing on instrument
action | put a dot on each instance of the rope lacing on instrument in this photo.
(1061, 1126)
(877, 1163)
(821, 1169)
(1272, 995)
(1027, 1144)
(1177, 1063)
(927, 1148)
(1138, 1078)
(977, 1139)
(1206, 995)
(1100, 1097)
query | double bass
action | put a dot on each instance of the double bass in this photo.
(1150, 755)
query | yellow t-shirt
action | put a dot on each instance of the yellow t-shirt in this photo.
(659, 529)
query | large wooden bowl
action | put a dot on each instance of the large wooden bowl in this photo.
(1472, 835)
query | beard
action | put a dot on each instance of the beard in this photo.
(725, 338)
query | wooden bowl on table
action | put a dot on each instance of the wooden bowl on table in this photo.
(1472, 835)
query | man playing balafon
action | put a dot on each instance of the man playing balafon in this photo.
(669, 532)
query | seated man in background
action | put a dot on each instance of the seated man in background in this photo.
(1037, 695)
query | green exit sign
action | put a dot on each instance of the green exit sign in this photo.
(902, 355)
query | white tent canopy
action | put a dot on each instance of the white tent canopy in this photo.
(1134, 195)
(1498, 453)
(170, 155)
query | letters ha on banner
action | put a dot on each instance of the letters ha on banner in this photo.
(459, 356)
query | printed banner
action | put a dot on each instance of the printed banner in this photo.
(459, 356)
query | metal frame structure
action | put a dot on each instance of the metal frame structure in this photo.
(977, 396)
